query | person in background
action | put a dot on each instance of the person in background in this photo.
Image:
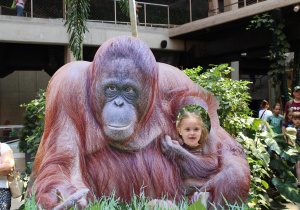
(6, 167)
(137, 13)
(296, 121)
(295, 103)
(288, 122)
(264, 113)
(20, 4)
(276, 119)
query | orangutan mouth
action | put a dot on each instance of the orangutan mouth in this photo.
(119, 127)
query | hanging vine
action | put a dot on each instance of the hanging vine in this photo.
(124, 5)
(279, 46)
(278, 49)
(77, 15)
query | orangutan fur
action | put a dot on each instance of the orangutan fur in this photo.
(108, 127)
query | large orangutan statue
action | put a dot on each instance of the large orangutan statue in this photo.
(110, 125)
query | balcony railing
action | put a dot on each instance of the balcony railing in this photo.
(10, 133)
(150, 14)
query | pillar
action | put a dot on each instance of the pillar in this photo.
(230, 5)
(68, 57)
(213, 7)
(235, 75)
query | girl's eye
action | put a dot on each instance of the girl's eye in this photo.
(129, 89)
(112, 87)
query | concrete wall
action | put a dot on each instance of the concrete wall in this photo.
(18, 88)
(52, 31)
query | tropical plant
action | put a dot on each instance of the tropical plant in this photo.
(77, 15)
(270, 172)
(124, 5)
(33, 121)
(232, 95)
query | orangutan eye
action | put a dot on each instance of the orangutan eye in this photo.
(112, 87)
(129, 89)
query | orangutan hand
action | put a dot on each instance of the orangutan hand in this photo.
(78, 198)
(204, 196)
(171, 147)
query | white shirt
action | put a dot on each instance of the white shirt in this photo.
(3, 179)
(20, 3)
(264, 114)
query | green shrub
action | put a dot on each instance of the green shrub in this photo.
(232, 95)
(33, 121)
(271, 173)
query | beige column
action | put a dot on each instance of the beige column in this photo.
(230, 5)
(213, 7)
(64, 9)
(235, 75)
(69, 57)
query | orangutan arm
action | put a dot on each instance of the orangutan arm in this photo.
(192, 166)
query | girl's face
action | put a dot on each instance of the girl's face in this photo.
(190, 131)
(290, 116)
(276, 110)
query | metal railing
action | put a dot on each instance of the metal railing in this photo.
(10, 133)
(150, 14)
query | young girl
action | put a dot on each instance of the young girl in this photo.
(192, 131)
(276, 119)
(288, 122)
(264, 113)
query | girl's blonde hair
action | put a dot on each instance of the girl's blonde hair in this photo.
(192, 115)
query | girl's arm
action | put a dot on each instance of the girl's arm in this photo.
(7, 163)
(283, 131)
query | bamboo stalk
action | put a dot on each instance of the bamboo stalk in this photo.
(132, 11)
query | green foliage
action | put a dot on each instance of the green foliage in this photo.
(124, 5)
(271, 171)
(232, 95)
(33, 121)
(77, 15)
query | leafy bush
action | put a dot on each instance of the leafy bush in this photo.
(271, 172)
(232, 95)
(33, 121)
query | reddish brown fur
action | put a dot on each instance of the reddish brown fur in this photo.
(74, 153)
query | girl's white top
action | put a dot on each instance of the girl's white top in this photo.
(264, 114)
(3, 179)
